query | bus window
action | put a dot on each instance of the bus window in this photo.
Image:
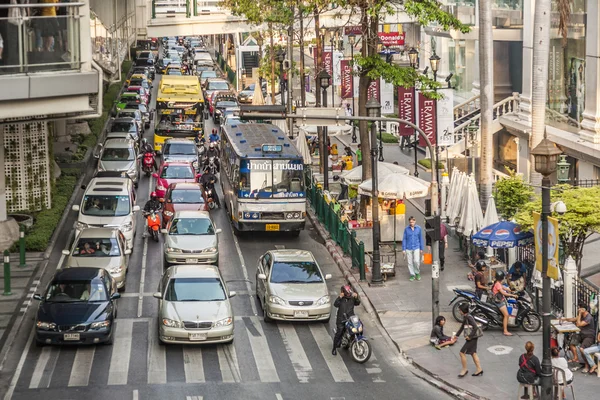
(287, 176)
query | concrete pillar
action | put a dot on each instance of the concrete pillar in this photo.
(476, 83)
(525, 105)
(2, 177)
(569, 294)
(502, 82)
(591, 115)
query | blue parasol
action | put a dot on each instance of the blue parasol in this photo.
(502, 235)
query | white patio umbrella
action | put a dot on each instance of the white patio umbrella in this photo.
(303, 148)
(258, 99)
(354, 176)
(451, 191)
(280, 123)
(471, 217)
(458, 197)
(397, 186)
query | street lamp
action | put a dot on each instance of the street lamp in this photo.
(352, 41)
(434, 61)
(374, 111)
(413, 56)
(324, 80)
(546, 156)
(381, 141)
(280, 57)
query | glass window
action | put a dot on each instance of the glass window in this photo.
(127, 114)
(126, 154)
(177, 172)
(180, 149)
(267, 178)
(227, 103)
(111, 206)
(179, 196)
(208, 74)
(122, 126)
(97, 247)
(218, 85)
(192, 226)
(295, 272)
(195, 289)
(287, 176)
(76, 291)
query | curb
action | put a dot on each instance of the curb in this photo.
(346, 271)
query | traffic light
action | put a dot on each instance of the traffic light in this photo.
(432, 229)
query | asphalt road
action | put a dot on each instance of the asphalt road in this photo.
(277, 361)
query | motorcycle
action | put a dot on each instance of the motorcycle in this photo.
(153, 223)
(210, 196)
(148, 163)
(461, 297)
(520, 313)
(212, 166)
(353, 339)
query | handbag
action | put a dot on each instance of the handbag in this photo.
(15, 14)
(472, 332)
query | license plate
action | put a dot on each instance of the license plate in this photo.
(71, 336)
(272, 227)
(300, 314)
(191, 261)
(197, 336)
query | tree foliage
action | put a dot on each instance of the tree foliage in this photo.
(581, 220)
(511, 195)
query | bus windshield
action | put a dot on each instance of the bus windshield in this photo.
(271, 178)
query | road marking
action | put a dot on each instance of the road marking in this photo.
(193, 365)
(296, 352)
(279, 247)
(19, 369)
(82, 366)
(334, 363)
(142, 278)
(136, 394)
(62, 256)
(40, 366)
(228, 362)
(278, 396)
(121, 353)
(157, 356)
(194, 397)
(262, 353)
(244, 271)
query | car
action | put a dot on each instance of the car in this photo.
(232, 116)
(147, 72)
(247, 95)
(191, 238)
(175, 149)
(100, 248)
(173, 172)
(220, 104)
(182, 197)
(204, 75)
(144, 95)
(146, 54)
(144, 62)
(147, 115)
(126, 128)
(201, 66)
(137, 115)
(127, 98)
(161, 65)
(194, 306)
(213, 84)
(203, 56)
(137, 77)
(119, 155)
(78, 307)
(291, 286)
(144, 82)
(212, 98)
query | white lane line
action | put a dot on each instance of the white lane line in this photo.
(278, 396)
(230, 369)
(334, 363)
(279, 247)
(136, 394)
(296, 352)
(19, 369)
(121, 353)
(194, 397)
(40, 366)
(62, 257)
(157, 356)
(262, 353)
(82, 366)
(244, 271)
(142, 278)
(193, 365)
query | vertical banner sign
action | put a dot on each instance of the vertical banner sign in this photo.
(427, 119)
(552, 245)
(347, 88)
(327, 61)
(336, 61)
(445, 119)
(386, 97)
(373, 90)
(406, 109)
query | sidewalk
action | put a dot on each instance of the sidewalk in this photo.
(404, 310)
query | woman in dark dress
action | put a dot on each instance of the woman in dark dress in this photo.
(470, 346)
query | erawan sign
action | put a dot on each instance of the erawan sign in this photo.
(346, 79)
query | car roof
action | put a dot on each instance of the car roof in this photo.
(195, 271)
(109, 186)
(217, 80)
(99, 233)
(119, 143)
(77, 274)
(185, 186)
(128, 110)
(182, 163)
(192, 214)
(292, 255)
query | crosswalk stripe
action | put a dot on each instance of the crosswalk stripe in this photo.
(157, 356)
(228, 362)
(194, 397)
(40, 366)
(334, 363)
(82, 366)
(262, 354)
(296, 352)
(193, 365)
(121, 353)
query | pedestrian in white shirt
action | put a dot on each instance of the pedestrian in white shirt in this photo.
(561, 363)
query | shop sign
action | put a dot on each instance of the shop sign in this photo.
(392, 38)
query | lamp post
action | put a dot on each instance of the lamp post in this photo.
(546, 156)
(324, 80)
(374, 111)
(380, 158)
(413, 56)
(434, 62)
(280, 59)
(352, 41)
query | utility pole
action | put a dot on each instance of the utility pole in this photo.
(272, 52)
(301, 42)
(290, 81)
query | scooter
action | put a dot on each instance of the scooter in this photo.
(461, 297)
(148, 163)
(354, 340)
(520, 313)
(153, 224)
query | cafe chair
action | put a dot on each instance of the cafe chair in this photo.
(559, 388)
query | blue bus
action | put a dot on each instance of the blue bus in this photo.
(262, 179)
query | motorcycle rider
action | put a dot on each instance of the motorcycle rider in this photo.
(345, 304)
(214, 136)
(151, 205)
(208, 181)
(146, 147)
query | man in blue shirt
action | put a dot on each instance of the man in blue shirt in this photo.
(214, 136)
(412, 247)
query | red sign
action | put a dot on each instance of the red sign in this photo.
(427, 119)
(347, 78)
(392, 38)
(328, 61)
(373, 90)
(406, 109)
(356, 30)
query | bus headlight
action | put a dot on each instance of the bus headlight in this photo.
(297, 215)
(247, 215)
(289, 215)
(255, 215)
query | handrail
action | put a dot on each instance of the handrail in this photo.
(41, 5)
(464, 103)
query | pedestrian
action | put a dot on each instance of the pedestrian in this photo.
(530, 369)
(480, 286)
(443, 244)
(359, 155)
(479, 258)
(437, 337)
(587, 353)
(405, 142)
(412, 248)
(472, 333)
(561, 363)
(499, 297)
(585, 338)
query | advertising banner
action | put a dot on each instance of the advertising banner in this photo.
(406, 109)
(327, 61)
(427, 119)
(336, 65)
(373, 90)
(553, 271)
(391, 38)
(356, 30)
(445, 119)
(386, 97)
(346, 71)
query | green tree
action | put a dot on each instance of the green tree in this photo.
(581, 220)
(511, 195)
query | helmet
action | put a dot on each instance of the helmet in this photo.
(153, 195)
(144, 141)
(480, 266)
(347, 290)
(500, 275)
(214, 130)
(212, 145)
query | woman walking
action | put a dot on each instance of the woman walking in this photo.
(472, 333)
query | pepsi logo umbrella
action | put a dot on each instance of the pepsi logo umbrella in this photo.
(502, 235)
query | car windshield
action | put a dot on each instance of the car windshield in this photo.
(177, 172)
(218, 86)
(125, 154)
(97, 247)
(127, 114)
(106, 206)
(136, 82)
(122, 126)
(174, 72)
(195, 289)
(295, 272)
(192, 226)
(208, 74)
(225, 104)
(76, 291)
(179, 149)
(187, 196)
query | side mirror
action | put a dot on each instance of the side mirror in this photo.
(157, 295)
(164, 231)
(37, 297)
(218, 231)
(136, 208)
(232, 293)
(262, 276)
(65, 252)
(127, 252)
(155, 175)
(115, 296)
(327, 276)
(75, 207)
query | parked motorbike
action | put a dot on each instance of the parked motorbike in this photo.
(461, 297)
(153, 224)
(148, 163)
(355, 341)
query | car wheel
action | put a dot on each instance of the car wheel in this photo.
(325, 321)
(265, 314)
(110, 340)
(229, 342)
